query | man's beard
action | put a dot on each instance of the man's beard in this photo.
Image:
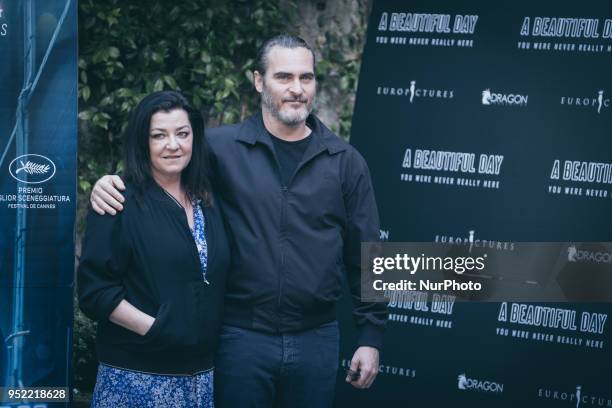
(291, 119)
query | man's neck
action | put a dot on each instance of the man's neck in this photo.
(282, 131)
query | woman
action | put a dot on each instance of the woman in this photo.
(153, 276)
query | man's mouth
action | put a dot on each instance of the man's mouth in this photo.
(300, 101)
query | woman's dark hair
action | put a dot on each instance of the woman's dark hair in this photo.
(136, 144)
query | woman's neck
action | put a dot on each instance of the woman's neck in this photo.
(172, 185)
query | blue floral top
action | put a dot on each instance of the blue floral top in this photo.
(199, 235)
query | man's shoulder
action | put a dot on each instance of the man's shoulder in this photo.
(222, 134)
(336, 144)
(347, 151)
(223, 130)
(354, 154)
(225, 136)
(352, 162)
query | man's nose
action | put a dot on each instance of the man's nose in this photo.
(296, 87)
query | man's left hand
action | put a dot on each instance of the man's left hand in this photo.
(365, 362)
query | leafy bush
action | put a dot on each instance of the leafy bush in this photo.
(128, 49)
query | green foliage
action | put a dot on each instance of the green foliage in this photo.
(131, 48)
(338, 70)
(84, 360)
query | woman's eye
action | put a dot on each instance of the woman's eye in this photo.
(157, 135)
(183, 134)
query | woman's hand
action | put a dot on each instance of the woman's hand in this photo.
(131, 318)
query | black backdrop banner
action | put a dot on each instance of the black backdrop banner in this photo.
(38, 138)
(489, 124)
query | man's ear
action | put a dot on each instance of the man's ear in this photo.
(258, 80)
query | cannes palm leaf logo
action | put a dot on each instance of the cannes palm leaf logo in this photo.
(33, 168)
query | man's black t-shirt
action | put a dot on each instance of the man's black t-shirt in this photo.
(289, 155)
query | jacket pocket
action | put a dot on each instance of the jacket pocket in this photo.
(329, 284)
(176, 321)
(153, 331)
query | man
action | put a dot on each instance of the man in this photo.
(298, 202)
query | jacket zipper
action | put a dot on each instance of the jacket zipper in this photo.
(194, 243)
(283, 217)
(284, 190)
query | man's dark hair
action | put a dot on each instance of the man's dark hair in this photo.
(136, 144)
(282, 40)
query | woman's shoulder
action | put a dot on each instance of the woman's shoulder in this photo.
(133, 204)
(129, 191)
(136, 197)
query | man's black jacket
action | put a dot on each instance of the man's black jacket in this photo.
(293, 245)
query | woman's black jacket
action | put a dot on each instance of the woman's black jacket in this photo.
(147, 256)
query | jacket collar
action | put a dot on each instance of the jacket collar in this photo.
(253, 131)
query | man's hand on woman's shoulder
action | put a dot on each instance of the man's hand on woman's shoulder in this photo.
(105, 197)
